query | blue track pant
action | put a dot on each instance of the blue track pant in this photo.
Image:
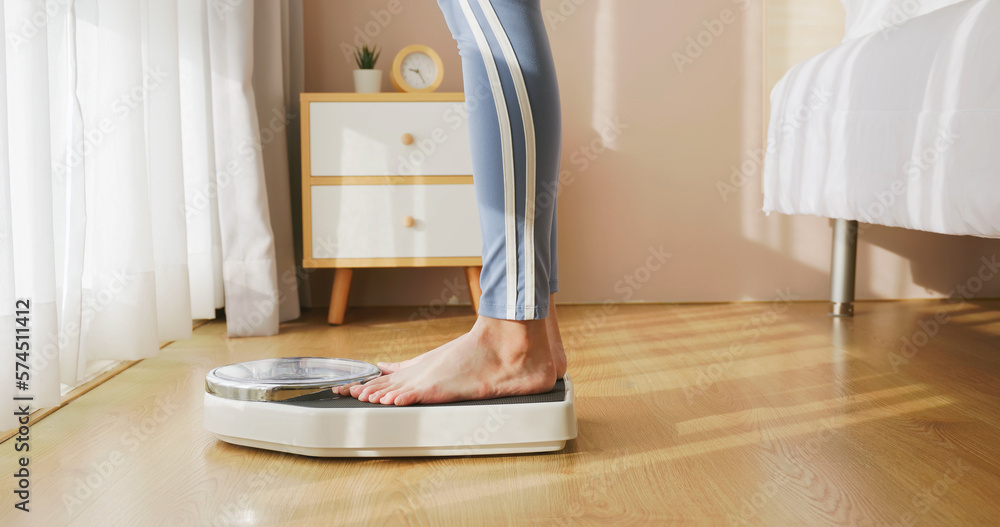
(515, 129)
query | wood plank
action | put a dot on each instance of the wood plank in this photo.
(809, 424)
(85, 387)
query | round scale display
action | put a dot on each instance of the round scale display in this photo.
(281, 379)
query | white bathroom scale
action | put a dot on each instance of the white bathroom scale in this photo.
(287, 405)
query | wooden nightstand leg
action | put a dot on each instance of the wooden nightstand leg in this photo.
(472, 276)
(338, 297)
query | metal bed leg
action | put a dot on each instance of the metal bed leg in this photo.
(842, 268)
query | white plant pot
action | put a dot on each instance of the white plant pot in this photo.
(368, 81)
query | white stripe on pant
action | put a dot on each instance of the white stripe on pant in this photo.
(516, 177)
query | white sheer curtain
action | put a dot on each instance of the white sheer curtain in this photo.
(143, 178)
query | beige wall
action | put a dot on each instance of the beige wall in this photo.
(656, 183)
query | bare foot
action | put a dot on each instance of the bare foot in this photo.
(551, 327)
(391, 367)
(496, 358)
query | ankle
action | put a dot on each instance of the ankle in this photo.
(513, 341)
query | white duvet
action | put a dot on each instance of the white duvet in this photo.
(899, 125)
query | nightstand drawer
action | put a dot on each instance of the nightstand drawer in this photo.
(368, 139)
(370, 221)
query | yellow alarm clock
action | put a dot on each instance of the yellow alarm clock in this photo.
(417, 69)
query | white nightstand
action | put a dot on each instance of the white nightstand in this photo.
(386, 182)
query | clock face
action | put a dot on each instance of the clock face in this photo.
(418, 70)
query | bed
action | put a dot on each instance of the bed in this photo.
(899, 125)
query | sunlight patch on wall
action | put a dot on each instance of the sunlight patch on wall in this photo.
(605, 103)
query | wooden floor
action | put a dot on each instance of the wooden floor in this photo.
(741, 414)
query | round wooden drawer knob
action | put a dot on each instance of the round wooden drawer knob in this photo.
(407, 139)
(409, 222)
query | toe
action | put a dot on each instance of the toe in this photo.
(405, 398)
(376, 397)
(365, 391)
(390, 397)
(345, 390)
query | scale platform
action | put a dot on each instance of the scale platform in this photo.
(287, 405)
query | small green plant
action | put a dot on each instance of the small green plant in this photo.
(366, 57)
